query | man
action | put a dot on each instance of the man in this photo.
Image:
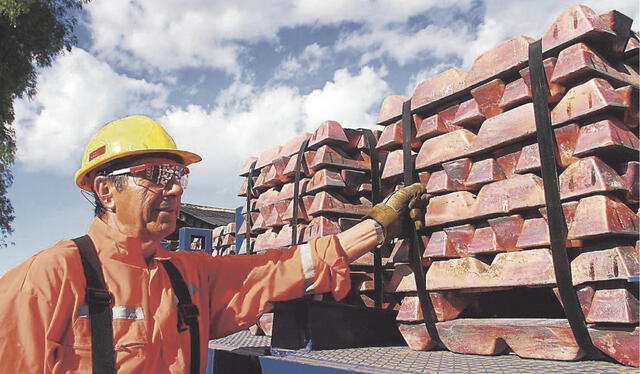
(137, 175)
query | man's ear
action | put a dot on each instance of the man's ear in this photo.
(103, 187)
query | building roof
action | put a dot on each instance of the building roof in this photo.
(209, 215)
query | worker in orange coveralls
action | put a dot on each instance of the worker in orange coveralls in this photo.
(137, 176)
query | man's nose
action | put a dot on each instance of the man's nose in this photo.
(173, 187)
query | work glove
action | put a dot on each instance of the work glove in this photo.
(391, 212)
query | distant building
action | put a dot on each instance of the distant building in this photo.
(201, 216)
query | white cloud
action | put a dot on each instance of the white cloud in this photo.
(309, 62)
(351, 100)
(404, 45)
(503, 20)
(166, 35)
(80, 92)
(366, 11)
(229, 133)
(76, 96)
(288, 69)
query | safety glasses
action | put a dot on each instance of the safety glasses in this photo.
(159, 174)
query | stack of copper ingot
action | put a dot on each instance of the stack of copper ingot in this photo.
(224, 240)
(489, 270)
(334, 190)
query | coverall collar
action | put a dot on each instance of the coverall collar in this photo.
(111, 243)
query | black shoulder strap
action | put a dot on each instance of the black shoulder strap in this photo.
(99, 300)
(187, 312)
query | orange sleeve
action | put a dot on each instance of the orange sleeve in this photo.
(29, 304)
(241, 287)
(331, 268)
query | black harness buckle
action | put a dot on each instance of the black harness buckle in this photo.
(187, 315)
(98, 296)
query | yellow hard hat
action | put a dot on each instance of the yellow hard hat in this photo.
(128, 136)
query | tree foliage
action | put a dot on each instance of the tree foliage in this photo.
(32, 34)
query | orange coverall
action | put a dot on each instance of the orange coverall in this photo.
(45, 328)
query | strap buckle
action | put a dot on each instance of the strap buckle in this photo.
(98, 296)
(187, 314)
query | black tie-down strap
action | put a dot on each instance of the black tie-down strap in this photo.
(249, 221)
(296, 191)
(417, 246)
(187, 313)
(555, 215)
(375, 198)
(100, 301)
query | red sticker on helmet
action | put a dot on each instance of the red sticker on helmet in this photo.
(97, 152)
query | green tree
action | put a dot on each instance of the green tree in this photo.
(32, 34)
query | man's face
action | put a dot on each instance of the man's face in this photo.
(147, 210)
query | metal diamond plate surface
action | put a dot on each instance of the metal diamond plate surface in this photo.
(405, 360)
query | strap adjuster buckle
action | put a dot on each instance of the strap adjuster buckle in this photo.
(98, 296)
(187, 314)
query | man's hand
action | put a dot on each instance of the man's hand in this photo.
(390, 213)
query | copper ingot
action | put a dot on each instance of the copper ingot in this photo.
(438, 87)
(507, 56)
(506, 128)
(576, 23)
(616, 305)
(391, 109)
(455, 206)
(440, 246)
(468, 115)
(246, 166)
(292, 146)
(332, 203)
(439, 182)
(484, 172)
(595, 96)
(290, 170)
(329, 132)
(392, 138)
(325, 179)
(588, 176)
(328, 156)
(515, 93)
(488, 97)
(321, 226)
(267, 157)
(579, 61)
(509, 269)
(599, 215)
(619, 263)
(444, 147)
(506, 196)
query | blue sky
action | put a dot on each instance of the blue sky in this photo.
(229, 79)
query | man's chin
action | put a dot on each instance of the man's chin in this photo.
(163, 228)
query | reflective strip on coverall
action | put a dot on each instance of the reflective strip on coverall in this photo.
(45, 325)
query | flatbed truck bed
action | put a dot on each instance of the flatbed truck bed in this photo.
(400, 359)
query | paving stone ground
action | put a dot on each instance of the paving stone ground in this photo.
(405, 360)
